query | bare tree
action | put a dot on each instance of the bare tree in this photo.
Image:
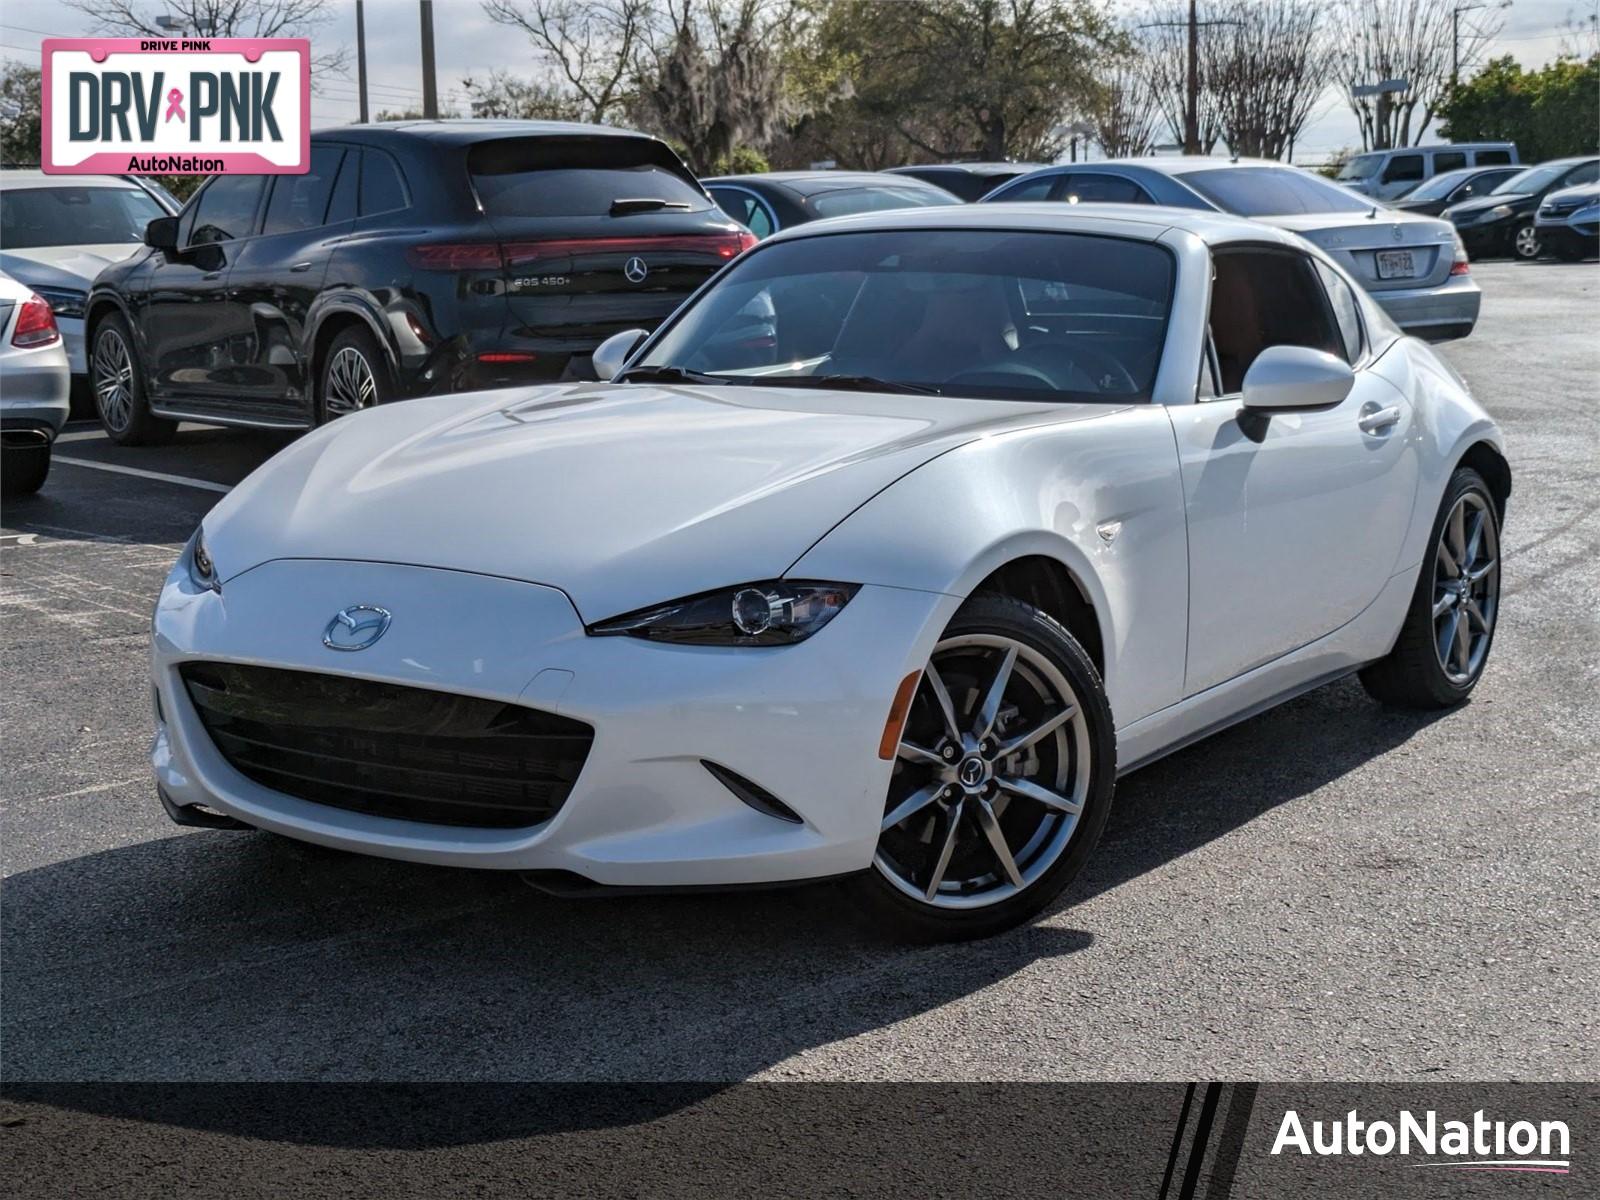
(596, 46)
(220, 19)
(1414, 40)
(1275, 58)
(1164, 45)
(1125, 114)
(501, 94)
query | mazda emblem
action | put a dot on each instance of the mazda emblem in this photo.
(356, 627)
(635, 269)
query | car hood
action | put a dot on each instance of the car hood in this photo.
(1480, 204)
(622, 495)
(64, 266)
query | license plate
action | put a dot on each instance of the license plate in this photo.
(1396, 264)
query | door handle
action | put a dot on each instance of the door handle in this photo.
(210, 275)
(300, 268)
(1374, 419)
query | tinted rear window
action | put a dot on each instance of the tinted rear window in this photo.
(1272, 192)
(577, 177)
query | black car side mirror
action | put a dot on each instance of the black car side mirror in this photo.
(162, 234)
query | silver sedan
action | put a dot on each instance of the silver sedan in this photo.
(33, 387)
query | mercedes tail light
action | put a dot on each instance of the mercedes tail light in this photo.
(36, 324)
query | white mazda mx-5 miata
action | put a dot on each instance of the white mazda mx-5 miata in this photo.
(883, 557)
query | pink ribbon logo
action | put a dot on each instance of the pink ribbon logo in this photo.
(175, 105)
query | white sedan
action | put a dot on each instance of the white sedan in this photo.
(883, 557)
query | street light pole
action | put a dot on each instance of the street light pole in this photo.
(430, 86)
(361, 57)
(1191, 108)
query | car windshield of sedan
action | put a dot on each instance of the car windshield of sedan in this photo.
(1527, 182)
(74, 216)
(994, 314)
(1273, 192)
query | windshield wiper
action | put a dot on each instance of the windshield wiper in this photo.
(667, 375)
(846, 383)
(622, 205)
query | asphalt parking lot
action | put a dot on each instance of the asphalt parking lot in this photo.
(1329, 891)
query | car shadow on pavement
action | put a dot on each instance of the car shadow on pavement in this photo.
(246, 957)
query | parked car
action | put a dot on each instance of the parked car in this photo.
(413, 258)
(1504, 221)
(967, 181)
(1390, 174)
(1414, 266)
(777, 200)
(1439, 193)
(1568, 222)
(57, 232)
(856, 599)
(33, 387)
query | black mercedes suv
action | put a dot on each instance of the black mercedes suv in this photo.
(412, 258)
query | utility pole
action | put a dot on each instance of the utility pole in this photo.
(430, 85)
(1191, 106)
(361, 57)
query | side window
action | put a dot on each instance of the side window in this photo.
(1266, 297)
(1492, 158)
(1403, 168)
(382, 189)
(342, 206)
(1032, 189)
(1448, 160)
(1346, 311)
(744, 208)
(301, 201)
(1587, 173)
(1088, 187)
(227, 209)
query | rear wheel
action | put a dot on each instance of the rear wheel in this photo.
(119, 396)
(1445, 641)
(1003, 780)
(355, 375)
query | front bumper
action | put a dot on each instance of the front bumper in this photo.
(72, 339)
(801, 721)
(1570, 237)
(1446, 311)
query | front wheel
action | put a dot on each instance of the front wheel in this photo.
(1525, 243)
(119, 396)
(1003, 779)
(1443, 645)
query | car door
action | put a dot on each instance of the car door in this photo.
(1295, 519)
(276, 276)
(190, 323)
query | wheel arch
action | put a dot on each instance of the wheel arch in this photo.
(1485, 458)
(336, 317)
(1048, 584)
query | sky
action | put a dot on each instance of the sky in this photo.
(467, 43)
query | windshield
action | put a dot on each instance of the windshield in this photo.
(1439, 186)
(1272, 192)
(1534, 179)
(74, 216)
(998, 314)
(1363, 166)
(842, 202)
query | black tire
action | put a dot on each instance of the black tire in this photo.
(1413, 674)
(124, 410)
(356, 342)
(1007, 619)
(23, 469)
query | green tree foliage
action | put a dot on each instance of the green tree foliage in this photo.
(1549, 113)
(19, 115)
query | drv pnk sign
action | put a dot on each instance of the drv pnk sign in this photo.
(155, 106)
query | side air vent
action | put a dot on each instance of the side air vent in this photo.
(756, 796)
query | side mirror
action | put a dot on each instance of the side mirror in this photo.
(611, 355)
(162, 233)
(1290, 377)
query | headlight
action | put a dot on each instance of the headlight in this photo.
(1501, 210)
(778, 612)
(64, 302)
(202, 571)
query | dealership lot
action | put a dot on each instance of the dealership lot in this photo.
(1327, 891)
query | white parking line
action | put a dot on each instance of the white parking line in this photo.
(82, 435)
(161, 476)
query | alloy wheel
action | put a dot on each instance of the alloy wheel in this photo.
(991, 776)
(113, 380)
(351, 385)
(1526, 243)
(1466, 588)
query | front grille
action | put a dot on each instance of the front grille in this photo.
(389, 750)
